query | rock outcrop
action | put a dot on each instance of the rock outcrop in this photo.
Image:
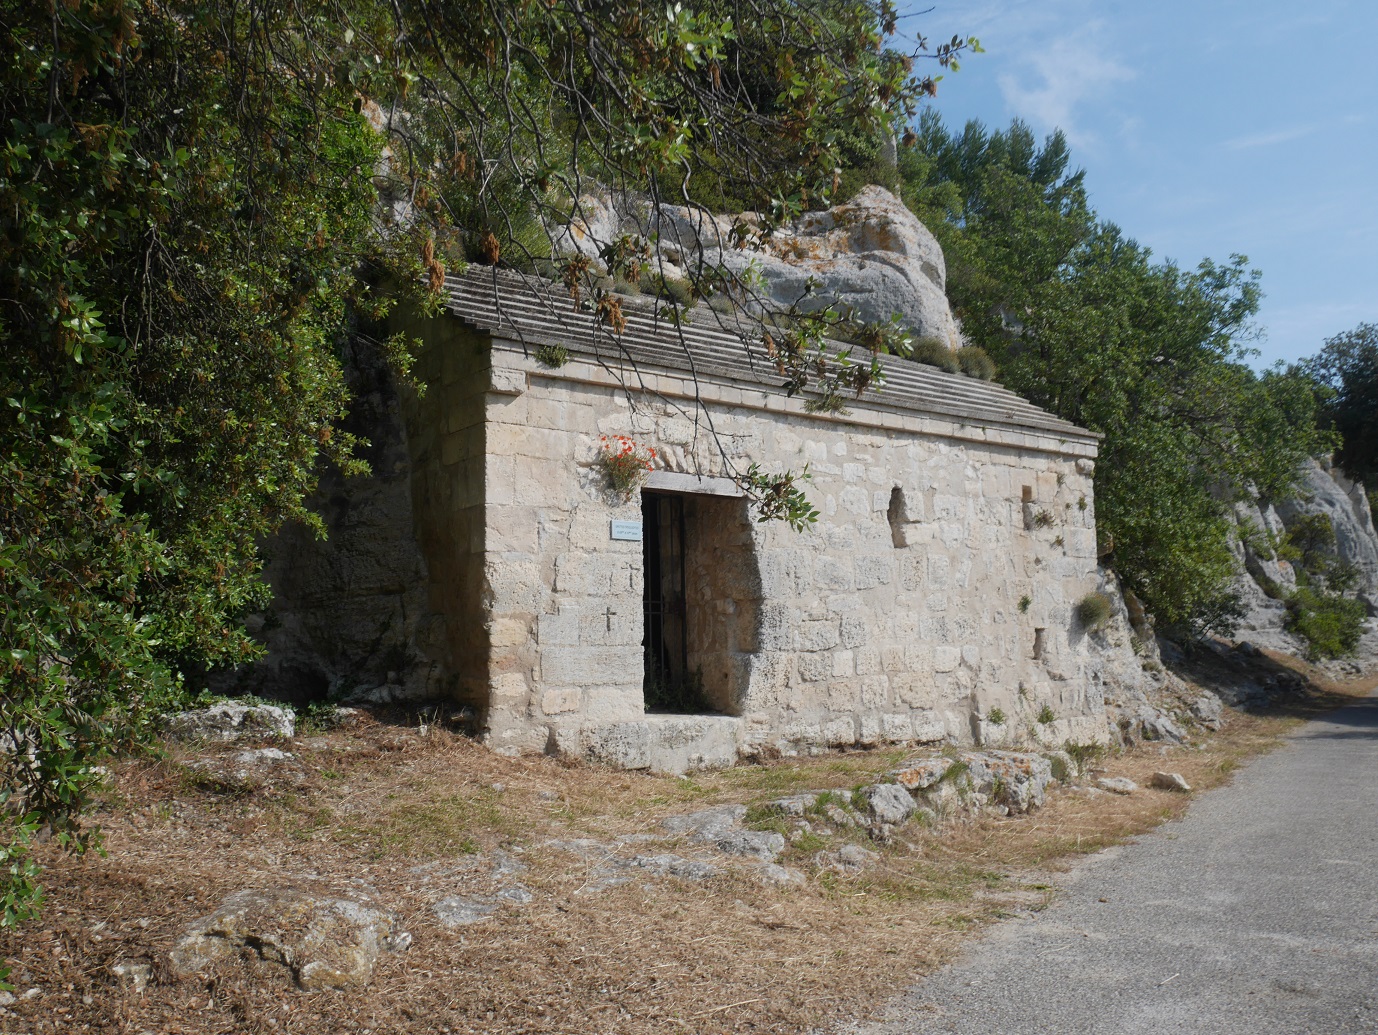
(327, 938)
(1267, 578)
(871, 256)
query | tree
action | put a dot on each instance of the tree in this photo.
(202, 199)
(1347, 366)
(1081, 320)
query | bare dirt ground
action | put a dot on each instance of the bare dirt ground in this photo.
(377, 800)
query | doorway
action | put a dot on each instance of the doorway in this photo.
(700, 602)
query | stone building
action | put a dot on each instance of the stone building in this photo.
(933, 599)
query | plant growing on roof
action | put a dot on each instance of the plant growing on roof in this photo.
(625, 463)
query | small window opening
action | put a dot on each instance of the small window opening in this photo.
(895, 515)
(1029, 516)
(1039, 644)
(1028, 494)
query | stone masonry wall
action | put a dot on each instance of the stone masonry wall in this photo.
(909, 612)
(449, 458)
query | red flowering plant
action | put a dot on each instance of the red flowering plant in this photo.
(625, 462)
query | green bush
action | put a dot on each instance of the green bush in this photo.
(553, 356)
(1329, 623)
(974, 362)
(935, 353)
(1094, 611)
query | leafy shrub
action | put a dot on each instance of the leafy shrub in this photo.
(671, 289)
(1094, 611)
(1046, 716)
(935, 353)
(553, 356)
(1083, 754)
(1329, 623)
(974, 362)
(1024, 603)
(996, 716)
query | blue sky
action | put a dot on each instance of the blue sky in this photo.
(1205, 128)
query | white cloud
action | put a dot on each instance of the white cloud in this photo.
(1056, 76)
(1268, 139)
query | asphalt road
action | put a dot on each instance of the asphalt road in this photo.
(1256, 914)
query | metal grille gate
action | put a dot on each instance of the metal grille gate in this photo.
(664, 604)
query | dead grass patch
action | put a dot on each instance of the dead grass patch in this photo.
(726, 955)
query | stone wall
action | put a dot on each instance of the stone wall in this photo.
(451, 469)
(350, 616)
(909, 612)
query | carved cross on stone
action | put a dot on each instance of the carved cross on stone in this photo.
(608, 614)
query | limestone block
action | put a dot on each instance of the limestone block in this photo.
(929, 727)
(896, 728)
(814, 668)
(558, 700)
(855, 500)
(833, 573)
(875, 691)
(946, 659)
(819, 635)
(868, 731)
(561, 629)
(872, 571)
(844, 664)
(868, 661)
(588, 666)
(513, 584)
(509, 632)
(615, 702)
(939, 571)
(839, 732)
(776, 626)
(853, 630)
(509, 687)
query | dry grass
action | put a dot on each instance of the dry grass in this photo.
(728, 955)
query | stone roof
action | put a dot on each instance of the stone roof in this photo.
(533, 312)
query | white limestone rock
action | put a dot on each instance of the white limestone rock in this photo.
(1117, 784)
(1326, 490)
(870, 255)
(888, 803)
(328, 938)
(1170, 782)
(231, 721)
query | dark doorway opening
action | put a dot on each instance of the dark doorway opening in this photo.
(701, 602)
(668, 683)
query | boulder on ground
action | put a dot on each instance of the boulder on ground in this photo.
(328, 938)
(1170, 782)
(231, 721)
(888, 803)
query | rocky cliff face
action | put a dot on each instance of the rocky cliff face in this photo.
(1266, 578)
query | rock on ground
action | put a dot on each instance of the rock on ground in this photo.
(1117, 784)
(231, 721)
(1170, 782)
(326, 937)
(888, 803)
